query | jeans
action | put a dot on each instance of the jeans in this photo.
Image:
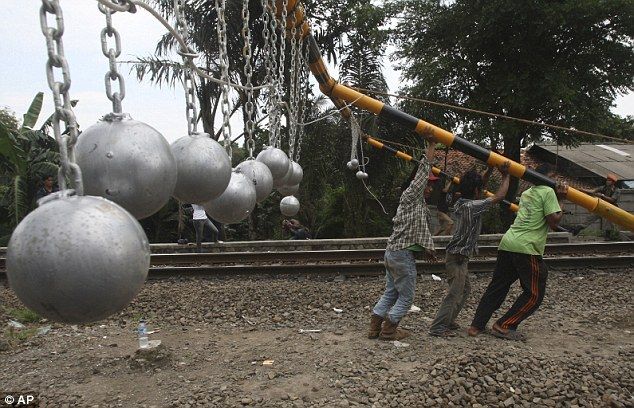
(400, 277)
(199, 226)
(459, 288)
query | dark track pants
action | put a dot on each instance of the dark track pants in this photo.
(510, 266)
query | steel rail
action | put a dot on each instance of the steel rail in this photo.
(317, 244)
(376, 254)
(304, 259)
(377, 268)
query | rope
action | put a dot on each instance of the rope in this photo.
(494, 115)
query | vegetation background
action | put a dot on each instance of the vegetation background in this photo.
(561, 62)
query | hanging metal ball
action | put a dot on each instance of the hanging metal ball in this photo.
(276, 160)
(204, 168)
(288, 190)
(297, 176)
(286, 179)
(289, 206)
(77, 259)
(353, 164)
(236, 202)
(361, 175)
(128, 162)
(261, 176)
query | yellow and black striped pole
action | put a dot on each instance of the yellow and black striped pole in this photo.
(435, 170)
(342, 95)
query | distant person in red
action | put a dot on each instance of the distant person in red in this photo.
(296, 229)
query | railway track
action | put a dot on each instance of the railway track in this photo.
(602, 255)
(316, 244)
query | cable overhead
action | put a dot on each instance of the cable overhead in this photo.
(494, 115)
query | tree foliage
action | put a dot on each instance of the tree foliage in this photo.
(561, 62)
(26, 156)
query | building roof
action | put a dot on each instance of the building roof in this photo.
(589, 161)
(458, 163)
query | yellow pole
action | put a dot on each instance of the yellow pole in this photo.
(341, 95)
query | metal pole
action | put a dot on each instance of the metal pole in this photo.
(341, 94)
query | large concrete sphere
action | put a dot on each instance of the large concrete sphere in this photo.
(288, 190)
(77, 259)
(289, 206)
(236, 202)
(261, 176)
(128, 162)
(297, 176)
(276, 160)
(204, 168)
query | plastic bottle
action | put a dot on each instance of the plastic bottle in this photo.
(143, 339)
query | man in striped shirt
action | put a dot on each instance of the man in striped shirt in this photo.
(410, 235)
(464, 244)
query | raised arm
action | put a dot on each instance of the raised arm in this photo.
(553, 220)
(504, 185)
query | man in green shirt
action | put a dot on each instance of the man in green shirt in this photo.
(520, 257)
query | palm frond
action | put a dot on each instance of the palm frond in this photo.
(33, 113)
(159, 71)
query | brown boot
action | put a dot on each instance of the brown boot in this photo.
(375, 326)
(390, 331)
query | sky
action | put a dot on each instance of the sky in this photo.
(23, 75)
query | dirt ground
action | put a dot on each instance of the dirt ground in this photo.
(217, 333)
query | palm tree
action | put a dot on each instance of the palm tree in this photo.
(26, 155)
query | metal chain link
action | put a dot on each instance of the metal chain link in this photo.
(273, 105)
(281, 66)
(303, 99)
(189, 82)
(63, 109)
(294, 80)
(221, 29)
(355, 133)
(112, 54)
(249, 105)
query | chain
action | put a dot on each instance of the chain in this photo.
(248, 73)
(221, 29)
(63, 109)
(303, 99)
(112, 54)
(293, 91)
(189, 82)
(356, 132)
(273, 106)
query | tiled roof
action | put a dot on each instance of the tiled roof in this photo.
(458, 163)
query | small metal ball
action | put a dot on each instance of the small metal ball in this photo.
(204, 168)
(236, 202)
(128, 162)
(276, 160)
(77, 259)
(261, 176)
(362, 175)
(297, 176)
(288, 190)
(289, 206)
